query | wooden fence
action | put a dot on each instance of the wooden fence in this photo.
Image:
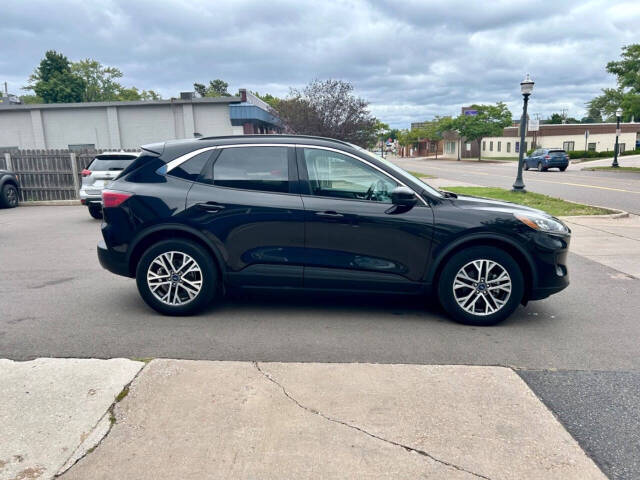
(48, 174)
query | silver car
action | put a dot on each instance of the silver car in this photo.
(101, 171)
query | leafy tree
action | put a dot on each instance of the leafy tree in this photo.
(27, 99)
(131, 94)
(101, 82)
(558, 118)
(54, 82)
(268, 98)
(328, 108)
(489, 122)
(216, 88)
(627, 93)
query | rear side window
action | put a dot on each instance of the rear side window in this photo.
(191, 169)
(110, 163)
(253, 168)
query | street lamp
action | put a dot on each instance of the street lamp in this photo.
(526, 87)
(615, 151)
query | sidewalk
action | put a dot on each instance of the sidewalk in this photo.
(197, 419)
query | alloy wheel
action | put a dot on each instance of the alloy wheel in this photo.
(174, 278)
(12, 197)
(482, 287)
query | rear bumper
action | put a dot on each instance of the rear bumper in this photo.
(115, 262)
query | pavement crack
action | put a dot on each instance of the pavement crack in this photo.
(361, 430)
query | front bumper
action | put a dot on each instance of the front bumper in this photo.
(113, 261)
(550, 258)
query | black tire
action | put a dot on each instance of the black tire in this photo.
(209, 277)
(540, 167)
(457, 262)
(562, 169)
(9, 196)
(526, 166)
(95, 211)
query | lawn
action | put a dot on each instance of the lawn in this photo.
(552, 205)
(611, 169)
(420, 174)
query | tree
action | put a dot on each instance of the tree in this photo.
(132, 94)
(216, 88)
(558, 118)
(490, 121)
(328, 108)
(271, 100)
(54, 82)
(100, 82)
(627, 93)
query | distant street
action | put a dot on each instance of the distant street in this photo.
(619, 190)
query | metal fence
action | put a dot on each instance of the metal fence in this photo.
(48, 174)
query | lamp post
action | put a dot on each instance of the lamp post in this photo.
(615, 151)
(526, 87)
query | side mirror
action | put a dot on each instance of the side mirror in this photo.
(403, 197)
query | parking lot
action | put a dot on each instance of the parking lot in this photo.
(56, 301)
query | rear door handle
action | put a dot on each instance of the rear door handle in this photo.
(210, 207)
(330, 214)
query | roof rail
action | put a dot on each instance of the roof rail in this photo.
(267, 135)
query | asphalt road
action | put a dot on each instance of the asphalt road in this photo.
(619, 190)
(56, 301)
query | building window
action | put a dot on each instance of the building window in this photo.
(484, 146)
(468, 147)
(568, 146)
(621, 147)
(517, 147)
(591, 147)
(508, 147)
(499, 146)
(491, 146)
(450, 147)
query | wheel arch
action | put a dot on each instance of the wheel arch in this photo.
(171, 232)
(520, 255)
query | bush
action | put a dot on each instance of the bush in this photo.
(631, 152)
(574, 154)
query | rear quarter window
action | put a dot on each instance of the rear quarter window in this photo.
(112, 162)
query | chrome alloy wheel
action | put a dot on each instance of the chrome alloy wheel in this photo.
(482, 287)
(174, 278)
(12, 197)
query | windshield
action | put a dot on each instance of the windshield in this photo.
(401, 173)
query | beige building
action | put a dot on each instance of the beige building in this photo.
(599, 137)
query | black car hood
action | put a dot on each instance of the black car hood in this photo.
(487, 204)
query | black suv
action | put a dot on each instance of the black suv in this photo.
(191, 218)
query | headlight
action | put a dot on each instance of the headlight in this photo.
(542, 222)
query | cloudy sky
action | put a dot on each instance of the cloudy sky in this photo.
(411, 59)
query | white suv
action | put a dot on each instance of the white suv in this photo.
(101, 171)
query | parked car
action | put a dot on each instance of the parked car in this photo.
(9, 189)
(191, 218)
(546, 158)
(102, 170)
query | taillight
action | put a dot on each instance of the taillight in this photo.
(112, 198)
(547, 157)
(85, 173)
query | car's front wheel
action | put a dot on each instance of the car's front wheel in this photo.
(481, 286)
(176, 277)
(9, 196)
(541, 167)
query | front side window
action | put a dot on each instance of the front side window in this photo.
(253, 168)
(333, 174)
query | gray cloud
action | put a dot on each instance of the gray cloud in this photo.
(412, 59)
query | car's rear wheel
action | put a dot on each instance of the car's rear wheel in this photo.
(95, 211)
(176, 277)
(562, 169)
(526, 166)
(540, 167)
(481, 286)
(9, 196)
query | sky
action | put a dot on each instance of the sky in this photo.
(411, 59)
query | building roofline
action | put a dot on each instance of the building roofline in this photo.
(135, 103)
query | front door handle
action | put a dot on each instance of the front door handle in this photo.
(329, 214)
(210, 207)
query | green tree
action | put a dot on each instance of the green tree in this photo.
(216, 88)
(101, 83)
(132, 94)
(489, 122)
(29, 99)
(627, 93)
(328, 108)
(54, 82)
(268, 98)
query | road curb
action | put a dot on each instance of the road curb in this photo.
(50, 203)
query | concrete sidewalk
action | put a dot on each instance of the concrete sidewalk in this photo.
(197, 419)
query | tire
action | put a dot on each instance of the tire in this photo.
(182, 250)
(526, 166)
(9, 196)
(479, 314)
(95, 211)
(562, 169)
(540, 167)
